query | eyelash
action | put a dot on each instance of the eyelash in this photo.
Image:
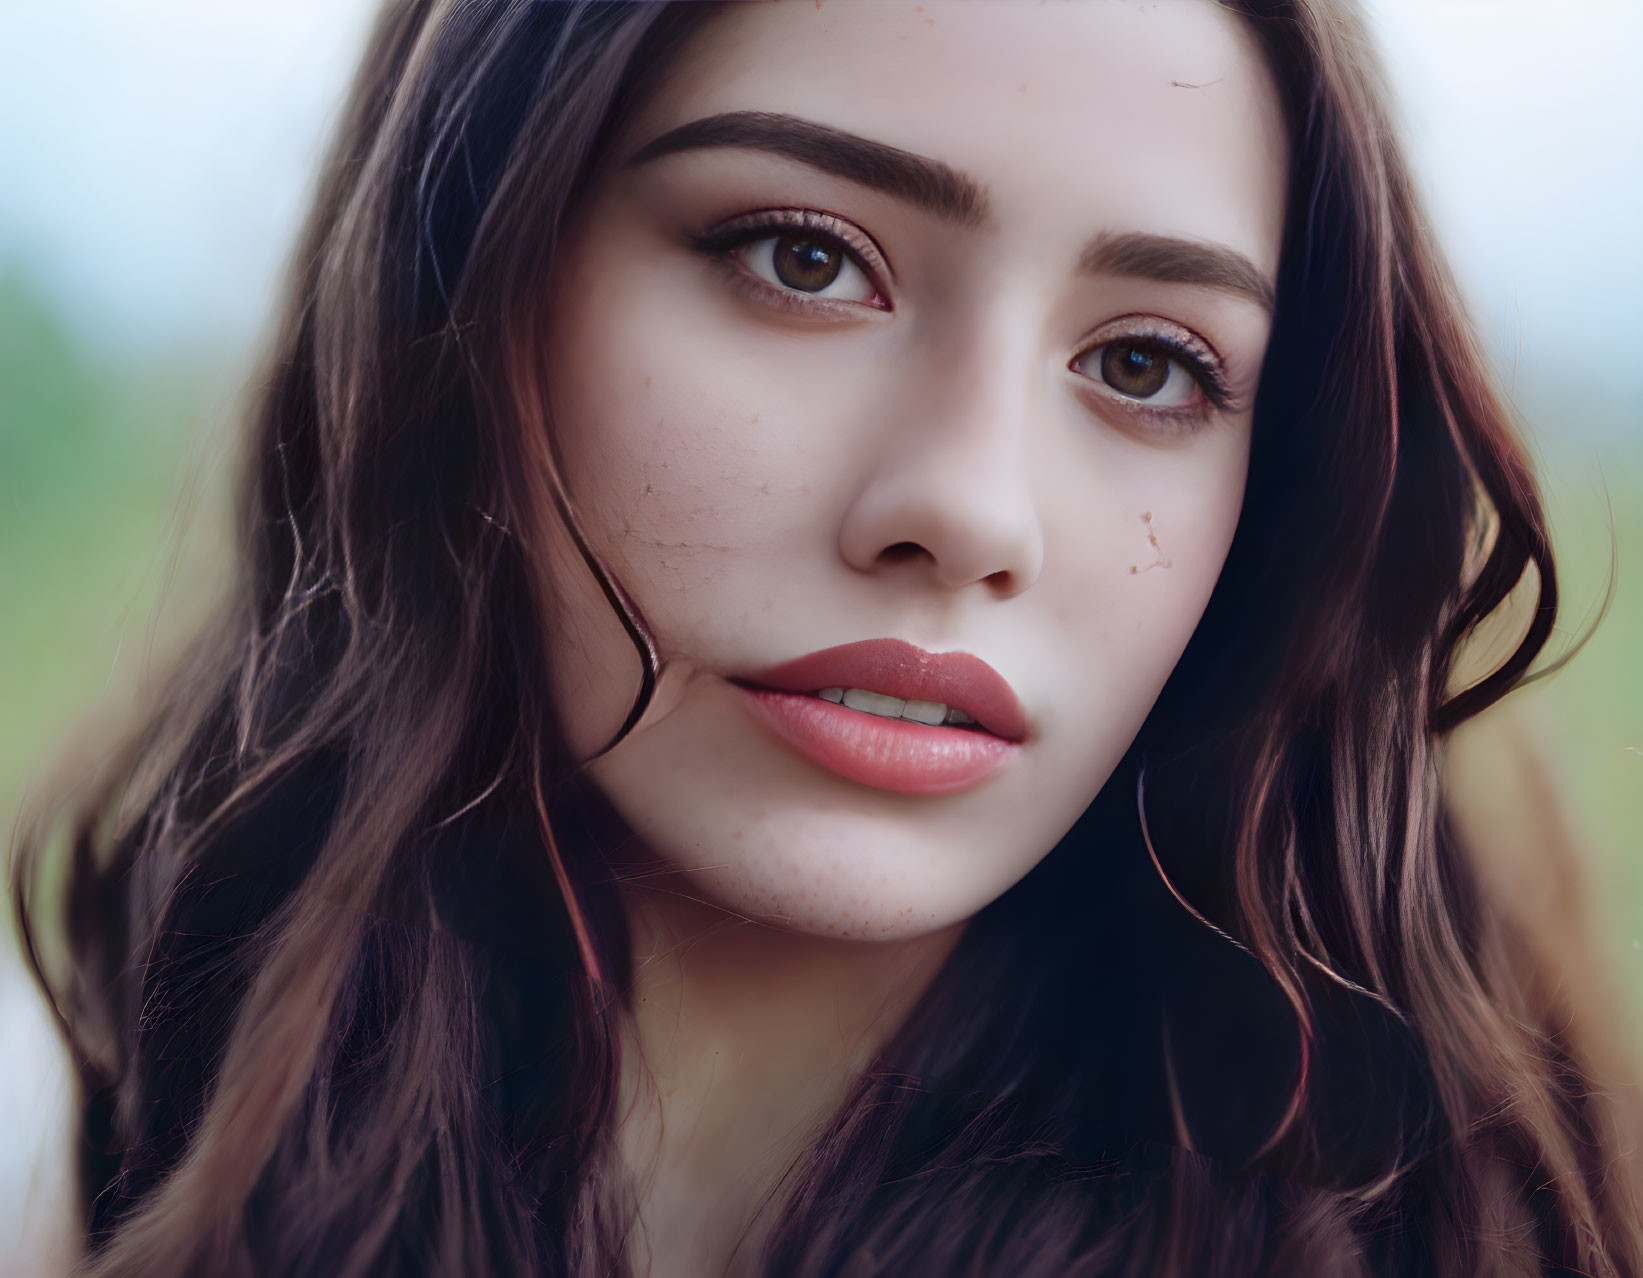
(1192, 353)
(722, 241)
(1181, 346)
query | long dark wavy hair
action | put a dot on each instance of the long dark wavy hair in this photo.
(339, 954)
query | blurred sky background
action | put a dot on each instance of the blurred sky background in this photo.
(155, 156)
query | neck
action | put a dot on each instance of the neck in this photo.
(741, 1040)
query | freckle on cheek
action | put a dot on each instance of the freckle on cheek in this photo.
(1159, 558)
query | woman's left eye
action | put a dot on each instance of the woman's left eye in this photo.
(804, 262)
(1145, 372)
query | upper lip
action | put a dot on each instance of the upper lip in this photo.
(900, 669)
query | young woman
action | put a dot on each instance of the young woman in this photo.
(847, 619)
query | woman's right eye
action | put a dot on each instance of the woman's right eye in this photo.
(795, 255)
(807, 263)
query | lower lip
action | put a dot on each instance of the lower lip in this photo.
(886, 754)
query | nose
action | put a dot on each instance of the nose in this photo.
(949, 494)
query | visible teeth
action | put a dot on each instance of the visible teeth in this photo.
(931, 712)
(874, 702)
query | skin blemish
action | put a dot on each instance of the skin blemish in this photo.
(1159, 559)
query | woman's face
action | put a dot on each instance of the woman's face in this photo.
(932, 323)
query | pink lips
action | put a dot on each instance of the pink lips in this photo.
(892, 754)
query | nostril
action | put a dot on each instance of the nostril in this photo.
(901, 552)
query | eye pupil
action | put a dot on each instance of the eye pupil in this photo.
(807, 264)
(1132, 371)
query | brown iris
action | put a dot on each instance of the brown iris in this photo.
(807, 264)
(1134, 371)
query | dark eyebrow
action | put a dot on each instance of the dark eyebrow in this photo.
(944, 191)
(1176, 261)
(927, 183)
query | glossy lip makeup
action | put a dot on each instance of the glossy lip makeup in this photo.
(836, 707)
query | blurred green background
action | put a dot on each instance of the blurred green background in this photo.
(98, 460)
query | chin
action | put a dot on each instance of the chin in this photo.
(822, 870)
(721, 814)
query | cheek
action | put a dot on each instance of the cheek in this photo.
(690, 468)
(1131, 562)
(679, 455)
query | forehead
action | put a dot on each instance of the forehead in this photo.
(1073, 116)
